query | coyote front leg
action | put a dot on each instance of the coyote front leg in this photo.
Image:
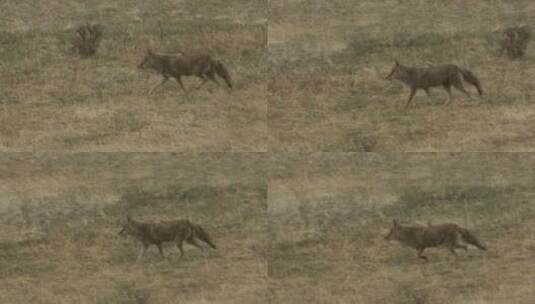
(164, 80)
(194, 242)
(161, 250)
(181, 84)
(141, 252)
(421, 254)
(411, 96)
(447, 87)
(204, 80)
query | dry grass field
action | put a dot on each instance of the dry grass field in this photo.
(275, 169)
(329, 59)
(329, 213)
(60, 215)
(53, 100)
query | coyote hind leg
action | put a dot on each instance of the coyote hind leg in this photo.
(180, 247)
(458, 244)
(206, 77)
(459, 86)
(179, 80)
(211, 76)
(452, 250)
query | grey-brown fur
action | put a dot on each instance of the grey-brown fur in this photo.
(178, 65)
(157, 233)
(446, 75)
(448, 235)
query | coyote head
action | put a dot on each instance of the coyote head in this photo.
(150, 61)
(395, 231)
(397, 72)
(129, 228)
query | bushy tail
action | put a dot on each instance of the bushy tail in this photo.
(220, 70)
(471, 239)
(472, 79)
(202, 235)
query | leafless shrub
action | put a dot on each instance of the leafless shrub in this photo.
(515, 41)
(362, 142)
(368, 143)
(87, 40)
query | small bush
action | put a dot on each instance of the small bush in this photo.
(515, 41)
(87, 40)
(362, 142)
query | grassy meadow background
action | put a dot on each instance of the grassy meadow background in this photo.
(328, 59)
(60, 215)
(329, 213)
(53, 100)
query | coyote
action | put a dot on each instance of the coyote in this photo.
(178, 65)
(177, 231)
(446, 75)
(420, 238)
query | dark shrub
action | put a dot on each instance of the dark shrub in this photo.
(87, 40)
(515, 41)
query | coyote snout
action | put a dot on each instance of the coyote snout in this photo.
(178, 231)
(419, 237)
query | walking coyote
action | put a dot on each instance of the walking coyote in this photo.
(157, 233)
(178, 65)
(446, 75)
(420, 237)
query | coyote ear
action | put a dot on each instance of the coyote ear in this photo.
(395, 222)
(128, 218)
(397, 62)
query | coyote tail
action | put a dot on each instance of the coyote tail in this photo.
(199, 233)
(472, 79)
(220, 69)
(471, 239)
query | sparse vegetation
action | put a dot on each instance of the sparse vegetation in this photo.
(87, 40)
(60, 215)
(330, 60)
(289, 227)
(515, 41)
(328, 220)
(54, 101)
